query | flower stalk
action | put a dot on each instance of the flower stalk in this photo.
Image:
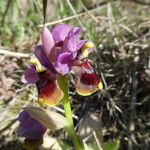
(67, 107)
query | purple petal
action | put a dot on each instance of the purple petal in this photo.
(60, 32)
(23, 116)
(72, 41)
(41, 56)
(47, 40)
(30, 76)
(29, 127)
(80, 44)
(75, 31)
(64, 63)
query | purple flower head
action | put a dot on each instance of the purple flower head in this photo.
(60, 32)
(62, 43)
(30, 128)
(58, 52)
(61, 50)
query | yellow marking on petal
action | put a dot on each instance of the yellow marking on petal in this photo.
(85, 92)
(52, 98)
(88, 45)
(41, 102)
(100, 86)
(39, 67)
(85, 52)
(85, 48)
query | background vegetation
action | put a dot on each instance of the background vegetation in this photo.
(120, 31)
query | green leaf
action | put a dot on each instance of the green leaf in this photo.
(111, 145)
(65, 145)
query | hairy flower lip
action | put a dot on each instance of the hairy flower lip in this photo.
(48, 89)
(87, 81)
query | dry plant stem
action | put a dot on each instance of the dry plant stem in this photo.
(97, 141)
(13, 54)
(73, 10)
(134, 89)
(67, 107)
(90, 10)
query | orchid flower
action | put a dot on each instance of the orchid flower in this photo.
(29, 127)
(60, 53)
(34, 121)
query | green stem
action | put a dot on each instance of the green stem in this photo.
(67, 107)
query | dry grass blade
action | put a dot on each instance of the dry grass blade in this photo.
(128, 29)
(13, 54)
(97, 141)
(73, 10)
(61, 20)
(89, 13)
(78, 15)
(44, 10)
